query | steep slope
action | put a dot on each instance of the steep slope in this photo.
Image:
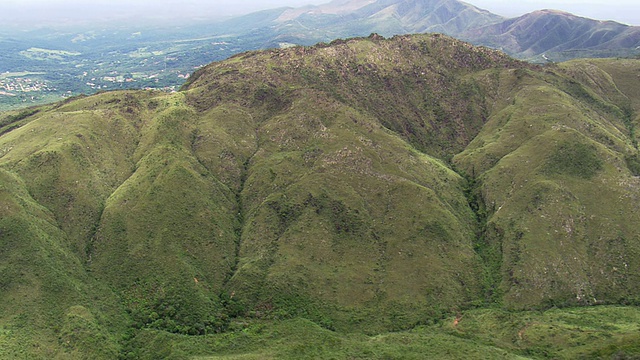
(557, 173)
(328, 185)
(318, 182)
(194, 207)
(558, 36)
(51, 307)
(57, 168)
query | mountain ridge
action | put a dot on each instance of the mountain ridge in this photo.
(556, 34)
(554, 31)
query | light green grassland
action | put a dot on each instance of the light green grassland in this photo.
(6, 75)
(573, 333)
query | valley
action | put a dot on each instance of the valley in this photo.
(98, 61)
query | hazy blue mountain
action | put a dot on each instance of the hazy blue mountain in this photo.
(557, 35)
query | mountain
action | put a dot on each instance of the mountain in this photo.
(306, 202)
(540, 36)
(558, 36)
(348, 18)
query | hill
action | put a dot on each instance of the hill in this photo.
(359, 187)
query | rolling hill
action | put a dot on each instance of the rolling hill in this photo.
(368, 198)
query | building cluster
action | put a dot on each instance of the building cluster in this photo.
(9, 86)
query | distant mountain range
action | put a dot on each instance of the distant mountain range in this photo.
(557, 35)
(538, 36)
(387, 17)
(348, 18)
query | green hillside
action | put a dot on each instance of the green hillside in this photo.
(368, 198)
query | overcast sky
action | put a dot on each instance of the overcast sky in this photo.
(39, 11)
(63, 11)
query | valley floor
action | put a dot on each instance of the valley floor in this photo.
(602, 332)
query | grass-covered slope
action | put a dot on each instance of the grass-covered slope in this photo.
(578, 333)
(342, 215)
(36, 277)
(556, 166)
(368, 185)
